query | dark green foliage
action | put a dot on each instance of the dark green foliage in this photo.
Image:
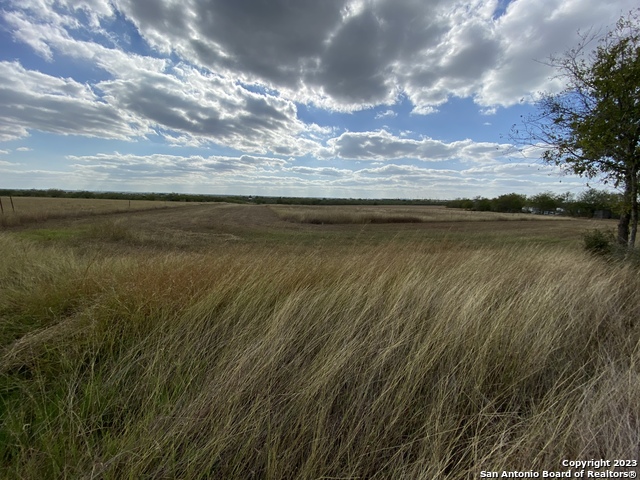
(482, 204)
(591, 203)
(594, 202)
(546, 202)
(509, 203)
(599, 242)
(592, 127)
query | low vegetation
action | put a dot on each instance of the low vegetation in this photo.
(343, 215)
(328, 215)
(400, 359)
(602, 243)
(590, 203)
(26, 210)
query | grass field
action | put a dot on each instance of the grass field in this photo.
(391, 214)
(225, 342)
(22, 210)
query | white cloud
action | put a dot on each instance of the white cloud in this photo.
(173, 167)
(531, 31)
(338, 54)
(33, 100)
(510, 170)
(319, 171)
(382, 145)
(386, 114)
(230, 74)
(489, 111)
(268, 176)
(209, 108)
(183, 103)
(49, 32)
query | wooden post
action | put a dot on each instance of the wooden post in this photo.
(12, 207)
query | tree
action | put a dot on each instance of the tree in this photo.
(511, 203)
(592, 200)
(592, 126)
(546, 202)
(481, 204)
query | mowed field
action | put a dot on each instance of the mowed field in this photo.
(266, 341)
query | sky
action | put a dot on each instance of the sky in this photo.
(314, 98)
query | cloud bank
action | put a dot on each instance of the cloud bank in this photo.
(237, 75)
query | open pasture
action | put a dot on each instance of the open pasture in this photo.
(21, 210)
(221, 341)
(206, 226)
(350, 214)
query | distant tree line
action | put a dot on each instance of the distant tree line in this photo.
(344, 201)
(192, 197)
(589, 203)
(164, 197)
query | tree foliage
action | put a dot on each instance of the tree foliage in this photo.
(592, 126)
(510, 203)
(546, 202)
(585, 204)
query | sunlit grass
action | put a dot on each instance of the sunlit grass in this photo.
(25, 210)
(391, 214)
(426, 359)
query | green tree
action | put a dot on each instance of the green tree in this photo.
(592, 200)
(511, 203)
(592, 127)
(546, 201)
(481, 204)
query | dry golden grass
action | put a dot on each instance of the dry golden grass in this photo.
(391, 214)
(425, 359)
(36, 209)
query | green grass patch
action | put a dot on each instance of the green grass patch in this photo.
(49, 234)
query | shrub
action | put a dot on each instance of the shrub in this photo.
(599, 242)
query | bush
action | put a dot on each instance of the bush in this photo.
(599, 242)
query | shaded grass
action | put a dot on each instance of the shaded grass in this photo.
(50, 234)
(342, 217)
(402, 360)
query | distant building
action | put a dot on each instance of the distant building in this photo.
(602, 214)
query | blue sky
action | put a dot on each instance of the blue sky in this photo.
(332, 98)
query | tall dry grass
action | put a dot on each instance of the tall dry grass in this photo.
(351, 214)
(426, 361)
(27, 210)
